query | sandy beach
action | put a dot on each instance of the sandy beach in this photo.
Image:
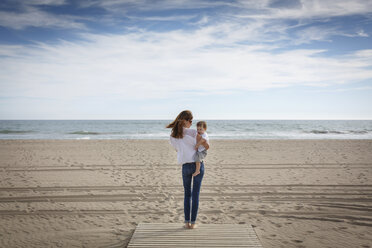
(93, 193)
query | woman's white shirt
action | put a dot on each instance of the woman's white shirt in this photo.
(185, 146)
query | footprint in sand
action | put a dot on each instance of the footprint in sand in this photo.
(263, 212)
(297, 241)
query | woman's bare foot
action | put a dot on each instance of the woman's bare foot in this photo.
(193, 226)
(187, 225)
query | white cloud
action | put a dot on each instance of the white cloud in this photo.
(314, 33)
(230, 51)
(33, 17)
(43, 2)
(214, 58)
(343, 89)
(29, 15)
(361, 33)
(257, 18)
(164, 18)
(150, 5)
(308, 9)
(158, 65)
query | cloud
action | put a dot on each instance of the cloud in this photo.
(236, 52)
(150, 65)
(163, 18)
(216, 48)
(285, 4)
(42, 2)
(361, 33)
(21, 4)
(150, 5)
(35, 18)
(315, 33)
(266, 20)
(306, 9)
(28, 14)
(343, 89)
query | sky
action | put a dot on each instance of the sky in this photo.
(139, 59)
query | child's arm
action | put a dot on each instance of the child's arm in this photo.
(201, 141)
(205, 144)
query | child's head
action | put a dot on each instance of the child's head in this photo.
(201, 127)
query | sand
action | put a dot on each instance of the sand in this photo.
(93, 193)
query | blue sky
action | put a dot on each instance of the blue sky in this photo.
(137, 59)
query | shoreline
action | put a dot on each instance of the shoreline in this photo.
(311, 139)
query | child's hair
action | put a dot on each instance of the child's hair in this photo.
(202, 124)
(178, 123)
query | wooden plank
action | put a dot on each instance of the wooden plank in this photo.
(205, 235)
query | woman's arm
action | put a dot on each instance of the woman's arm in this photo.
(204, 143)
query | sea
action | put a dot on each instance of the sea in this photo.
(156, 129)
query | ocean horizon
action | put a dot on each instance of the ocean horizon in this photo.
(155, 129)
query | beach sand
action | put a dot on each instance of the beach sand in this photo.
(93, 193)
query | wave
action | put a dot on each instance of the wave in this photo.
(337, 132)
(85, 133)
(6, 131)
(359, 132)
(83, 138)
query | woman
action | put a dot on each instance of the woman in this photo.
(184, 139)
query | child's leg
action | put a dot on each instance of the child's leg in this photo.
(197, 170)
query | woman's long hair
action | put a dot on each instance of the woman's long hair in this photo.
(178, 124)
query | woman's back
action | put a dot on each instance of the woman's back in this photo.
(185, 146)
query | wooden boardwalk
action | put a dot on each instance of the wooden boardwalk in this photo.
(206, 235)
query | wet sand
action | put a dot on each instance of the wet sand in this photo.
(92, 193)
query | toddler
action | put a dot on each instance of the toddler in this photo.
(201, 152)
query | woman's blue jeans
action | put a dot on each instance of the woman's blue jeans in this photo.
(187, 170)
